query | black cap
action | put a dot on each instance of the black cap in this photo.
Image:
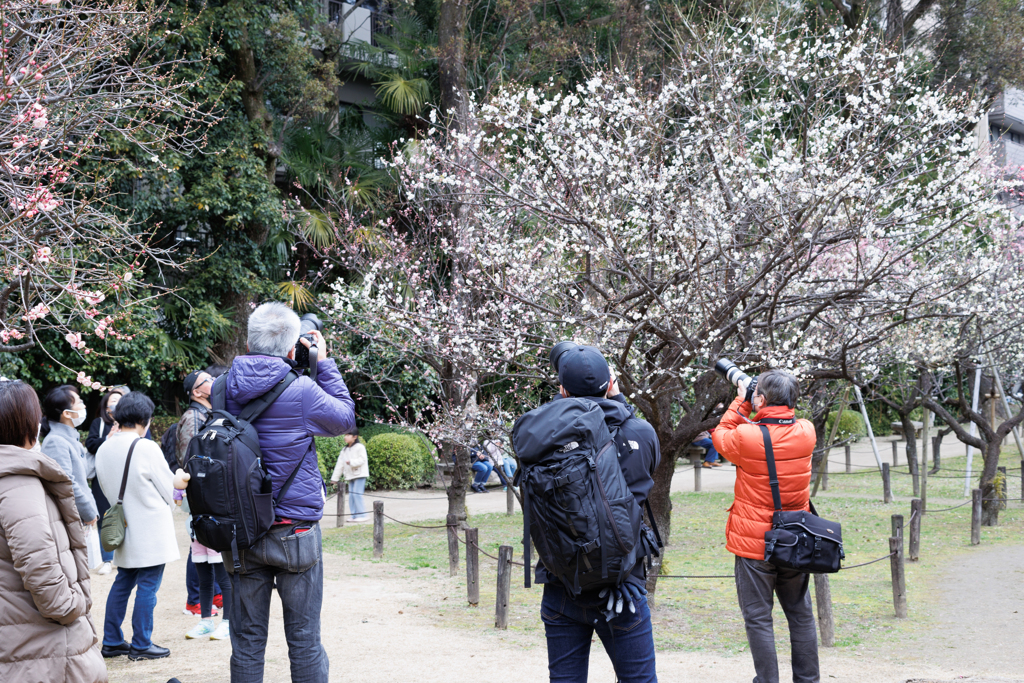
(190, 382)
(583, 371)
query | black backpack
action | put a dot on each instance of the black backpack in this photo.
(230, 491)
(577, 507)
(169, 445)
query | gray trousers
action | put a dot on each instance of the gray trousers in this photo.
(756, 584)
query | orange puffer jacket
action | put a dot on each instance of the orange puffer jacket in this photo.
(741, 443)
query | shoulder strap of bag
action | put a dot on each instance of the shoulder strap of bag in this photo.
(290, 479)
(773, 475)
(256, 407)
(218, 393)
(127, 464)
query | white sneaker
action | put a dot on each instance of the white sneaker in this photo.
(203, 628)
(222, 633)
(105, 568)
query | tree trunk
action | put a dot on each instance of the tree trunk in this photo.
(908, 434)
(451, 53)
(989, 495)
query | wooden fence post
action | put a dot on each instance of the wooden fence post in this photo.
(1001, 494)
(886, 483)
(823, 600)
(936, 457)
(342, 485)
(504, 585)
(451, 522)
(895, 461)
(897, 526)
(914, 550)
(510, 500)
(976, 517)
(915, 479)
(697, 467)
(378, 529)
(472, 567)
(848, 464)
(824, 471)
(899, 579)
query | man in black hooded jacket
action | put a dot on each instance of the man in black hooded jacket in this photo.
(570, 624)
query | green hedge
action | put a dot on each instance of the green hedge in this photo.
(851, 424)
(413, 458)
(396, 461)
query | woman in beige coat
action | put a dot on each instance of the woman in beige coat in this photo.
(46, 633)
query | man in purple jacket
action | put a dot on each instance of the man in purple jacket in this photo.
(290, 552)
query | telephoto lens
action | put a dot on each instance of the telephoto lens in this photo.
(727, 369)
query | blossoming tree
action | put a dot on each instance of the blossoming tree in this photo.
(782, 199)
(77, 85)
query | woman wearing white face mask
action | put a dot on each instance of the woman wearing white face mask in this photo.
(63, 411)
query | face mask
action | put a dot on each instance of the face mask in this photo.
(79, 416)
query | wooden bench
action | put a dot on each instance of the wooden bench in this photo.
(897, 428)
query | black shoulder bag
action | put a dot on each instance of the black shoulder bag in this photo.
(798, 539)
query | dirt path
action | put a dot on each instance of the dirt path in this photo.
(383, 624)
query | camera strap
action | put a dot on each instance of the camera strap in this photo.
(769, 454)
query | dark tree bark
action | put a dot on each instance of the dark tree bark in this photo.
(451, 52)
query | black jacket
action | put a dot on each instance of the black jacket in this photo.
(97, 431)
(639, 455)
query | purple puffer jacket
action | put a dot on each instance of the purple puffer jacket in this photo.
(305, 409)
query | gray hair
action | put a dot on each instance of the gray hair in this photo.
(273, 329)
(779, 388)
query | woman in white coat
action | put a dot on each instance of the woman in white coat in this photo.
(149, 541)
(354, 465)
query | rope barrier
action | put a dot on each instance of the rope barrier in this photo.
(418, 526)
(487, 554)
(967, 502)
(681, 576)
(864, 564)
(370, 495)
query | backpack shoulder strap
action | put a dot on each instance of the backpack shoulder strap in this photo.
(773, 475)
(256, 407)
(218, 394)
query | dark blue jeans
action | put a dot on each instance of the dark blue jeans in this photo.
(628, 639)
(483, 471)
(148, 581)
(712, 454)
(292, 562)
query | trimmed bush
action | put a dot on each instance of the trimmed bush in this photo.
(851, 424)
(427, 449)
(396, 461)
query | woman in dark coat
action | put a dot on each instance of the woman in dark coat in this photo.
(101, 428)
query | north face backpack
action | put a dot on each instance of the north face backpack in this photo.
(230, 491)
(577, 507)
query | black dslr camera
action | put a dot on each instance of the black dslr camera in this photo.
(307, 324)
(727, 369)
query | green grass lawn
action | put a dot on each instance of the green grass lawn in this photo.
(702, 613)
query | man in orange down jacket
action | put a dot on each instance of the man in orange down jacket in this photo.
(750, 517)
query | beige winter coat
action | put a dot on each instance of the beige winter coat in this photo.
(46, 633)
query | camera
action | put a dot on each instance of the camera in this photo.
(727, 369)
(307, 324)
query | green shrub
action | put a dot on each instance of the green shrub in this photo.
(851, 424)
(427, 449)
(396, 461)
(160, 424)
